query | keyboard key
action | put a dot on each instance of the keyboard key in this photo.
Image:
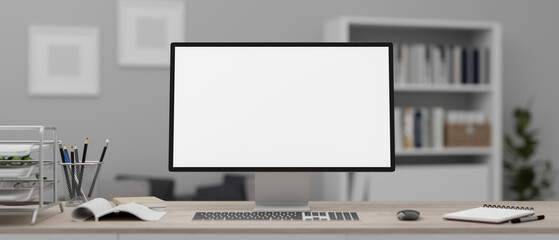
(339, 216)
(354, 216)
(198, 216)
(347, 216)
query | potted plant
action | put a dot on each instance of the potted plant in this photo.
(526, 178)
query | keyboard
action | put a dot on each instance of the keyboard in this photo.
(276, 216)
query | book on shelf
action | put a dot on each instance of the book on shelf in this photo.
(427, 128)
(465, 66)
(475, 66)
(484, 66)
(457, 64)
(408, 127)
(438, 127)
(417, 128)
(398, 135)
(439, 64)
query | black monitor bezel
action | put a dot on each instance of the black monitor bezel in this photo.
(174, 45)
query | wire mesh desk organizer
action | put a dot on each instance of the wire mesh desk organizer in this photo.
(80, 177)
(28, 177)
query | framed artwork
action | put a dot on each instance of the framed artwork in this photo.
(63, 61)
(145, 30)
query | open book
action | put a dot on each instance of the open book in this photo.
(99, 207)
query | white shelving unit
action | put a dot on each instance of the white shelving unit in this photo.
(471, 173)
(402, 88)
(452, 151)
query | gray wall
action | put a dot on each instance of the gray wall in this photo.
(132, 107)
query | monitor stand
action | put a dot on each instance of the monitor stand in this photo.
(283, 191)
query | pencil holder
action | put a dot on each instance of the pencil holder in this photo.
(80, 181)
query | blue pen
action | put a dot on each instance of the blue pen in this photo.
(66, 160)
(72, 183)
(65, 168)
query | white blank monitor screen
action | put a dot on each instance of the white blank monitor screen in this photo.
(284, 106)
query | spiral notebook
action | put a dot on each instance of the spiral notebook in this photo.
(490, 213)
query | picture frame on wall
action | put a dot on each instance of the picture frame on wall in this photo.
(145, 30)
(63, 61)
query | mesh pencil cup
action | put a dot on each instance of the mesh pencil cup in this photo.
(81, 181)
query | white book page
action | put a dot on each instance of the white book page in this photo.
(140, 211)
(94, 208)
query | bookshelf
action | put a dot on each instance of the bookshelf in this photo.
(460, 173)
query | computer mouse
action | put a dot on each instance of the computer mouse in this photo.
(408, 215)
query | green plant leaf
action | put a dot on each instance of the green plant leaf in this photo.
(523, 179)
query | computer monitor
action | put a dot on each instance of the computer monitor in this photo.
(281, 110)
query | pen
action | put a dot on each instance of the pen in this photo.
(98, 167)
(66, 155)
(527, 219)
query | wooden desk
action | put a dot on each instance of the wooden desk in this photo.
(376, 218)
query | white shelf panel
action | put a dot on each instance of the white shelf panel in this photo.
(459, 88)
(453, 151)
(418, 23)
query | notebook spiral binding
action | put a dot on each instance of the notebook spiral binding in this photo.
(507, 207)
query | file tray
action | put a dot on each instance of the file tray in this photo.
(17, 150)
(21, 194)
(20, 172)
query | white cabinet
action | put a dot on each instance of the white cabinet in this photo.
(431, 182)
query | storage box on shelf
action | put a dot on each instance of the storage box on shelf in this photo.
(448, 64)
(27, 176)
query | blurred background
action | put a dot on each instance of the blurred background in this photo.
(117, 92)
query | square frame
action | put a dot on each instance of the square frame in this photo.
(146, 29)
(63, 61)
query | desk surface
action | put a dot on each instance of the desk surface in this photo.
(376, 217)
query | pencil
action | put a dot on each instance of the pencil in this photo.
(72, 154)
(73, 176)
(85, 149)
(98, 167)
(65, 169)
(86, 143)
(79, 190)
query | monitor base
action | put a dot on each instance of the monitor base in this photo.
(284, 191)
(281, 208)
